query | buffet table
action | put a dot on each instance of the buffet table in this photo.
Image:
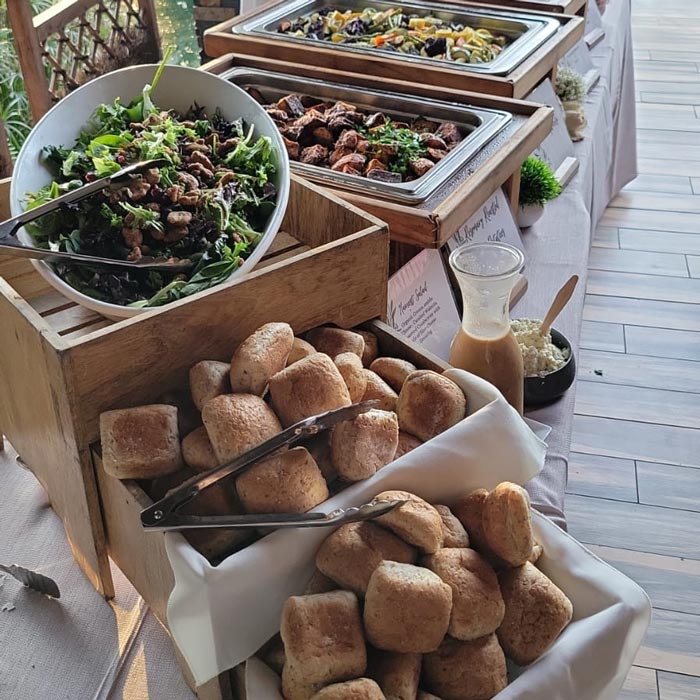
(83, 647)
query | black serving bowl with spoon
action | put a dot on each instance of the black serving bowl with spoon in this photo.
(543, 390)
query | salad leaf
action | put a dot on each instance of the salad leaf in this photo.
(143, 217)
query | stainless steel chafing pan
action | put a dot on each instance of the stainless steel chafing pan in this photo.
(526, 32)
(480, 126)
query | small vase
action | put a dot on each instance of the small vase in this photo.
(529, 214)
(575, 119)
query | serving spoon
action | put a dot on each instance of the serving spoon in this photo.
(9, 245)
(560, 301)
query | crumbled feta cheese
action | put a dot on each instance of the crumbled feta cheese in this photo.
(540, 355)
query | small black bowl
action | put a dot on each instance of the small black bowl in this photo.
(542, 390)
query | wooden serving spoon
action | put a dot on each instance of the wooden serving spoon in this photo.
(560, 301)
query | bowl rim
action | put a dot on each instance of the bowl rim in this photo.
(118, 311)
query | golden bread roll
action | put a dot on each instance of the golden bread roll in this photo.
(407, 608)
(416, 522)
(365, 444)
(209, 379)
(259, 356)
(236, 423)
(407, 442)
(458, 670)
(477, 604)
(350, 555)
(378, 389)
(536, 553)
(454, 534)
(507, 523)
(323, 642)
(334, 341)
(320, 448)
(359, 689)
(429, 404)
(320, 583)
(393, 370)
(141, 442)
(422, 695)
(350, 367)
(371, 350)
(310, 386)
(536, 613)
(273, 654)
(300, 350)
(396, 674)
(469, 511)
(287, 482)
(197, 450)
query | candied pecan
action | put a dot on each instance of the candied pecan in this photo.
(175, 233)
(179, 218)
(132, 237)
(199, 157)
(152, 176)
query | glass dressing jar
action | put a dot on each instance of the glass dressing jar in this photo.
(485, 344)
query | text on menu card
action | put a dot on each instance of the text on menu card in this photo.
(421, 304)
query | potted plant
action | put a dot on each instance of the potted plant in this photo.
(571, 90)
(538, 185)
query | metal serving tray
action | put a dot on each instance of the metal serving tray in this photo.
(526, 31)
(480, 124)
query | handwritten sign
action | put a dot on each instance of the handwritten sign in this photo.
(558, 145)
(421, 304)
(491, 222)
(579, 59)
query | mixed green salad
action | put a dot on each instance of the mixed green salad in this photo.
(208, 204)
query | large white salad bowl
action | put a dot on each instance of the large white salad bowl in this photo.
(178, 88)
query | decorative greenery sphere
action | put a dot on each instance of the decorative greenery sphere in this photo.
(570, 86)
(537, 183)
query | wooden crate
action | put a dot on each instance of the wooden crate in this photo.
(418, 226)
(141, 555)
(567, 7)
(518, 83)
(64, 365)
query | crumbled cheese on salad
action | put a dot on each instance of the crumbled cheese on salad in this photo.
(540, 355)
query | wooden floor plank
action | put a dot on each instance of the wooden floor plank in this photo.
(639, 404)
(664, 166)
(673, 686)
(658, 342)
(668, 98)
(672, 487)
(609, 283)
(638, 370)
(640, 685)
(694, 265)
(672, 67)
(605, 237)
(660, 183)
(604, 477)
(609, 337)
(666, 86)
(654, 220)
(668, 264)
(644, 312)
(695, 184)
(672, 643)
(659, 241)
(658, 200)
(642, 441)
(691, 56)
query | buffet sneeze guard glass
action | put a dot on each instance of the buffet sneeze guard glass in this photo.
(485, 344)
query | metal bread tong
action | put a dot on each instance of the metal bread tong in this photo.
(164, 515)
(9, 245)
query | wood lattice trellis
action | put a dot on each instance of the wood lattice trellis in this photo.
(77, 40)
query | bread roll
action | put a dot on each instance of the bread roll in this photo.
(259, 356)
(536, 613)
(407, 608)
(209, 379)
(198, 452)
(469, 511)
(334, 341)
(507, 523)
(407, 442)
(422, 695)
(320, 583)
(416, 522)
(359, 689)
(454, 534)
(460, 670)
(371, 350)
(477, 604)
(363, 445)
(310, 386)
(378, 389)
(536, 553)
(300, 350)
(236, 423)
(350, 555)
(287, 482)
(393, 370)
(323, 642)
(350, 367)
(141, 442)
(429, 404)
(396, 674)
(319, 446)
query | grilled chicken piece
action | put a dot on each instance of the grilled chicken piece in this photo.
(309, 101)
(436, 154)
(338, 153)
(311, 120)
(374, 164)
(354, 161)
(348, 139)
(292, 132)
(323, 136)
(349, 170)
(420, 166)
(340, 122)
(314, 155)
(292, 148)
(449, 133)
(385, 152)
(291, 104)
(421, 124)
(433, 141)
(255, 94)
(277, 115)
